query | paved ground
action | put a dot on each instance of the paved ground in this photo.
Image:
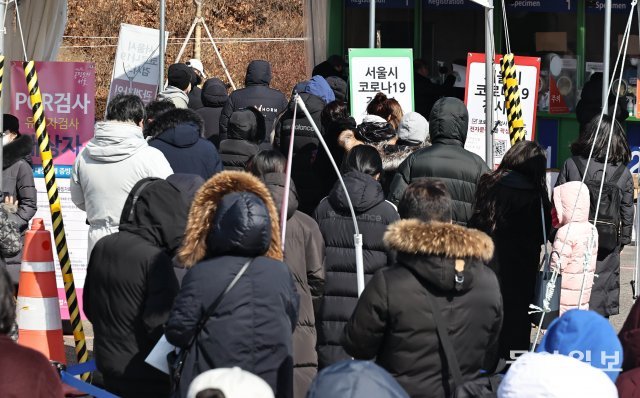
(626, 301)
(628, 259)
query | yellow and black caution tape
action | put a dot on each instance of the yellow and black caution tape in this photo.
(56, 212)
(512, 99)
(1, 72)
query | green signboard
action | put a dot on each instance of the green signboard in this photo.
(380, 70)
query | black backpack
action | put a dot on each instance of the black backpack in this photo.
(608, 224)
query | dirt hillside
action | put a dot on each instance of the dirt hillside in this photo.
(93, 25)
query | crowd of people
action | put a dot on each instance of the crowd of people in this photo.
(196, 234)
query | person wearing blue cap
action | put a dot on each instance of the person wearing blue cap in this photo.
(587, 336)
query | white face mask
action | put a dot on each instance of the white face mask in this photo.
(6, 139)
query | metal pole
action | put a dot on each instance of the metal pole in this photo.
(357, 237)
(287, 181)
(162, 46)
(3, 11)
(186, 40)
(372, 23)
(196, 50)
(215, 48)
(490, 74)
(606, 56)
(636, 270)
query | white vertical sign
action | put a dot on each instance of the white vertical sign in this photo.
(136, 66)
(527, 71)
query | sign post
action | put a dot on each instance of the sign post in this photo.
(136, 69)
(380, 70)
(528, 70)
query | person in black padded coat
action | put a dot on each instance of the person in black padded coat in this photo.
(361, 169)
(233, 220)
(17, 182)
(509, 207)
(446, 159)
(393, 321)
(131, 285)
(246, 131)
(304, 254)
(214, 96)
(605, 295)
(306, 145)
(256, 93)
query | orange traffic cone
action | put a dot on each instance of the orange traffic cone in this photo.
(38, 309)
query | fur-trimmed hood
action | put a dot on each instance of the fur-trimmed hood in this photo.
(173, 118)
(203, 210)
(439, 252)
(18, 149)
(393, 155)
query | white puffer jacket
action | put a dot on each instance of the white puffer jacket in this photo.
(115, 159)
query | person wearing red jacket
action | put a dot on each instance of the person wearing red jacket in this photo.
(23, 372)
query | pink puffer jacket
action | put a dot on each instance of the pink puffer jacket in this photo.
(573, 238)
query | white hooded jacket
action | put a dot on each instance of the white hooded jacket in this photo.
(115, 159)
(536, 375)
(179, 98)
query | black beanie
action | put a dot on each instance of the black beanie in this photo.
(339, 87)
(11, 123)
(179, 76)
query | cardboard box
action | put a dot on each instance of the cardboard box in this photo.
(552, 41)
(634, 47)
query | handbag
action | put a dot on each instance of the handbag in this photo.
(485, 386)
(543, 279)
(177, 358)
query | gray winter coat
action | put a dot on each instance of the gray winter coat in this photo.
(17, 181)
(179, 98)
(605, 295)
(304, 254)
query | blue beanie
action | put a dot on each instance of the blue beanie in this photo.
(587, 336)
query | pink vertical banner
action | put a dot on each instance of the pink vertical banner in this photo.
(68, 96)
(68, 93)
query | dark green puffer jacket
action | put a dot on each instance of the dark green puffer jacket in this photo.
(446, 159)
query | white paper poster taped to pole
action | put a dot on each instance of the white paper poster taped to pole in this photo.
(380, 70)
(76, 228)
(136, 66)
(528, 71)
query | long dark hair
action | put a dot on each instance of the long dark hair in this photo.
(525, 158)
(363, 158)
(620, 152)
(333, 112)
(265, 162)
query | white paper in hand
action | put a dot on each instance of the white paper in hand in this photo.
(158, 356)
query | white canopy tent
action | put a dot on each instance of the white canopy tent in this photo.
(43, 24)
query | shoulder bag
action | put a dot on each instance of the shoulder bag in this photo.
(543, 279)
(485, 386)
(177, 358)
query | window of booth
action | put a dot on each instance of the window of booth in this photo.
(549, 31)
(394, 23)
(594, 26)
(450, 32)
